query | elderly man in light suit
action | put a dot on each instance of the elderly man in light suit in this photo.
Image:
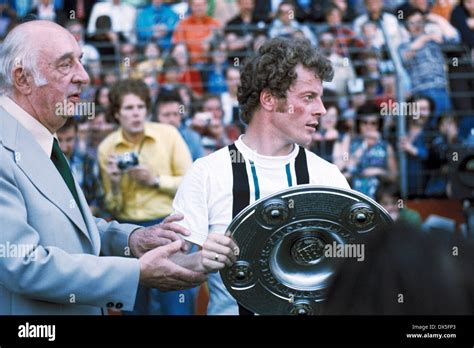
(56, 258)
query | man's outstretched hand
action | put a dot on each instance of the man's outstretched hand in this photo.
(158, 271)
(148, 238)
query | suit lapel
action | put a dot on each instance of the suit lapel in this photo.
(89, 219)
(36, 165)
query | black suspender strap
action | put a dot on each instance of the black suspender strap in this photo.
(301, 167)
(240, 193)
(241, 188)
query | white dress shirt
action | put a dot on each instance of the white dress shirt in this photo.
(40, 133)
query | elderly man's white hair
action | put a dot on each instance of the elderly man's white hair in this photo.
(16, 51)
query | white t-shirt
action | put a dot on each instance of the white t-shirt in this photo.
(122, 17)
(205, 198)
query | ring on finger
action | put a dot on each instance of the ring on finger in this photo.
(216, 257)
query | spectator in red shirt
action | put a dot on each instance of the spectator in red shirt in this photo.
(187, 75)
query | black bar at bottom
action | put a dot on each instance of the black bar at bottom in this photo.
(413, 330)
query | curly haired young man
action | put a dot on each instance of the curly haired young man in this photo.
(280, 101)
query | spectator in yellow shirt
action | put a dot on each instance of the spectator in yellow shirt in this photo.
(140, 192)
(142, 164)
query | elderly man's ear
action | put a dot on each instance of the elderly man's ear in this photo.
(21, 81)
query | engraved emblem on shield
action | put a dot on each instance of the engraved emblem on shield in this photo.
(283, 267)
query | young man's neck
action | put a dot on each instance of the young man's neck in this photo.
(133, 138)
(266, 142)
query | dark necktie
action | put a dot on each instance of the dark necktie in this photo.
(63, 168)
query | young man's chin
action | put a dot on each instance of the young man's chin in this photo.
(136, 131)
(307, 139)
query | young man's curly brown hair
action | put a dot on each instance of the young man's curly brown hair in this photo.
(273, 68)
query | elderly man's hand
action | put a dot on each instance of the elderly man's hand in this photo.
(157, 270)
(146, 239)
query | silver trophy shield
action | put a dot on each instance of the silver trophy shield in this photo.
(283, 266)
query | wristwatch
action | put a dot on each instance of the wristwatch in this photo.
(156, 184)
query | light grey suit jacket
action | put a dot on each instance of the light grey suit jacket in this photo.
(49, 252)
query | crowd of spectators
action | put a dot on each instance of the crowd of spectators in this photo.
(187, 55)
(189, 52)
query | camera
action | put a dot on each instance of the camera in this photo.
(204, 117)
(127, 160)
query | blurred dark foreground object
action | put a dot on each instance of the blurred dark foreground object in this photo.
(406, 272)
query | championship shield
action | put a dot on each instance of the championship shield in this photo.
(291, 244)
